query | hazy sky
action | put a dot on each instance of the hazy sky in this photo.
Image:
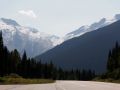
(58, 16)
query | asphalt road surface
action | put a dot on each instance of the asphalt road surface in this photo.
(65, 85)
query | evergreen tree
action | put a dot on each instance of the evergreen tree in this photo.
(1, 41)
(1, 55)
(6, 60)
(113, 63)
(23, 67)
(110, 64)
(24, 57)
(15, 61)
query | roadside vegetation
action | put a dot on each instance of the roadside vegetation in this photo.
(16, 79)
(109, 80)
(113, 66)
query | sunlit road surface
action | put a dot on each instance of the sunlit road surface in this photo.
(65, 85)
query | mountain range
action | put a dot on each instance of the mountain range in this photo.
(87, 28)
(23, 38)
(88, 51)
(35, 42)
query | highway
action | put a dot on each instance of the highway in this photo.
(65, 85)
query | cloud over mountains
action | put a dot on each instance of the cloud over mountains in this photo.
(29, 13)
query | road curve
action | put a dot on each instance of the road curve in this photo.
(64, 85)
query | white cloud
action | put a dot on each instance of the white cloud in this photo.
(29, 13)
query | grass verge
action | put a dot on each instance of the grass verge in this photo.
(7, 80)
(109, 80)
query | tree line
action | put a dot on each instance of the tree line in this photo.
(113, 63)
(12, 62)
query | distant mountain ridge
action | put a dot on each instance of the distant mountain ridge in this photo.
(89, 51)
(26, 38)
(84, 29)
(36, 42)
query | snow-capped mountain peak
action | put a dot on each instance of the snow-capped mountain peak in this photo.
(87, 28)
(35, 42)
(117, 17)
(9, 22)
(26, 38)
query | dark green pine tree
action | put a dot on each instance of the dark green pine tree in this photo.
(24, 57)
(1, 55)
(39, 69)
(23, 65)
(6, 60)
(1, 45)
(110, 64)
(113, 63)
(51, 70)
(15, 61)
(4, 57)
(1, 41)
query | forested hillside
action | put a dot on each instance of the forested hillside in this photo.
(12, 62)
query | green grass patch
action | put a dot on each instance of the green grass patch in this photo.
(110, 80)
(9, 80)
